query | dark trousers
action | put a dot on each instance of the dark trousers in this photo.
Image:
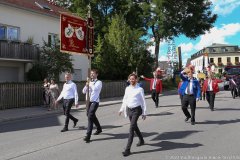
(210, 96)
(92, 118)
(67, 104)
(133, 117)
(189, 100)
(155, 97)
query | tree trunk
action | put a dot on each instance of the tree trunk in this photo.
(157, 46)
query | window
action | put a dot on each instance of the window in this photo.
(52, 39)
(212, 50)
(9, 32)
(219, 60)
(3, 33)
(211, 60)
(237, 59)
(228, 59)
(224, 49)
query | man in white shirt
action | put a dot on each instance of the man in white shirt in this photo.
(95, 87)
(70, 95)
(133, 105)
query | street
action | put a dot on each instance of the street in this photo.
(166, 134)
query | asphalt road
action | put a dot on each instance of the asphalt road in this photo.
(167, 136)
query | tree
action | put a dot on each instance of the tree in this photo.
(54, 61)
(169, 18)
(121, 51)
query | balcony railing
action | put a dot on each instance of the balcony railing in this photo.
(17, 50)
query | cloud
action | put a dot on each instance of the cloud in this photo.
(163, 58)
(151, 49)
(224, 7)
(186, 47)
(218, 35)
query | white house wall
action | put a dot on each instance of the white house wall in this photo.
(7, 71)
(198, 63)
(37, 26)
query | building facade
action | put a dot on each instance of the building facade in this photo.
(216, 55)
(24, 26)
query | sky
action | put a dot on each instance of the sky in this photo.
(226, 30)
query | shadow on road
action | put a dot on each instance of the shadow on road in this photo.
(161, 114)
(30, 124)
(228, 109)
(122, 136)
(167, 145)
(109, 127)
(171, 105)
(220, 122)
(174, 135)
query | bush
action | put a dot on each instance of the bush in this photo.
(37, 73)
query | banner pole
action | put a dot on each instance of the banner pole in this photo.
(89, 61)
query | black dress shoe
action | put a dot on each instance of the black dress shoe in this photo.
(192, 123)
(126, 153)
(187, 119)
(86, 139)
(98, 132)
(140, 143)
(212, 109)
(64, 130)
(75, 123)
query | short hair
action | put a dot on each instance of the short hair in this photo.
(94, 70)
(68, 74)
(134, 75)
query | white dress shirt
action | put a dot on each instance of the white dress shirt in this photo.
(69, 91)
(191, 87)
(133, 97)
(95, 88)
(154, 83)
(209, 87)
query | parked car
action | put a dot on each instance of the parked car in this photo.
(229, 73)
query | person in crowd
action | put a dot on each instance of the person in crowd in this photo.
(155, 87)
(69, 95)
(234, 85)
(203, 94)
(94, 87)
(133, 105)
(210, 87)
(190, 90)
(179, 85)
(54, 93)
(46, 95)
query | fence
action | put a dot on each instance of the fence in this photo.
(30, 94)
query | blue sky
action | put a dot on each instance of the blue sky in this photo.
(226, 30)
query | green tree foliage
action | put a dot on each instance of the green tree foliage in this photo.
(119, 40)
(169, 18)
(37, 73)
(121, 51)
(54, 61)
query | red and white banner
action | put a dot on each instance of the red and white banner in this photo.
(73, 34)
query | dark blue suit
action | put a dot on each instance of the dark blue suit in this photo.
(190, 98)
(196, 86)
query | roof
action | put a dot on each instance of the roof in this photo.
(219, 45)
(39, 6)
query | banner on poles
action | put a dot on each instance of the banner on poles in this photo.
(90, 36)
(74, 34)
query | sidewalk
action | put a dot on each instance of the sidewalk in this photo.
(38, 111)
